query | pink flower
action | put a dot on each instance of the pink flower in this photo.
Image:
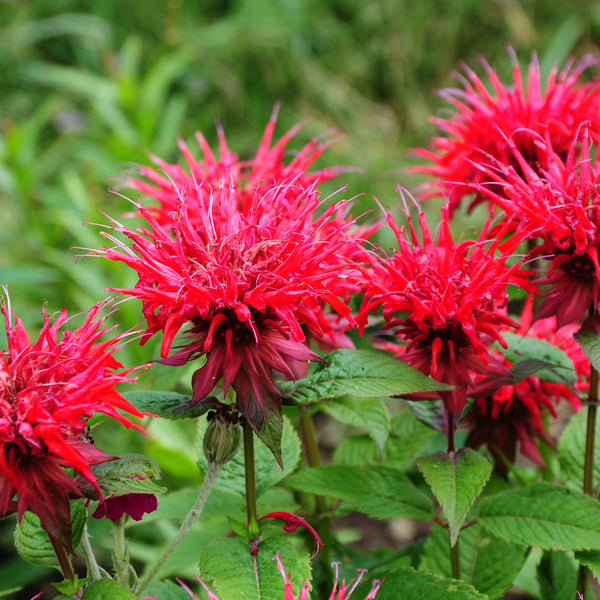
(49, 388)
(446, 302)
(509, 417)
(481, 120)
(251, 271)
(559, 205)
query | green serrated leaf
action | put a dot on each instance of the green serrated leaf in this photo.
(456, 480)
(589, 339)
(557, 576)
(369, 414)
(408, 584)
(356, 450)
(571, 452)
(32, 541)
(166, 590)
(107, 589)
(541, 355)
(236, 574)
(71, 586)
(358, 373)
(232, 477)
(377, 491)
(487, 563)
(408, 435)
(131, 473)
(543, 515)
(168, 405)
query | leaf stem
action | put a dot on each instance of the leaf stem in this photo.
(90, 559)
(120, 552)
(588, 465)
(212, 472)
(250, 472)
(63, 559)
(455, 559)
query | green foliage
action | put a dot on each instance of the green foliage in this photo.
(571, 452)
(557, 574)
(377, 491)
(414, 585)
(167, 405)
(360, 374)
(105, 589)
(534, 356)
(543, 515)
(487, 563)
(32, 541)
(238, 574)
(456, 479)
(132, 473)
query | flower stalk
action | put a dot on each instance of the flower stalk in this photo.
(212, 472)
(250, 471)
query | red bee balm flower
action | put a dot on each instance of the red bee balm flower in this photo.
(252, 271)
(445, 301)
(48, 391)
(483, 119)
(560, 205)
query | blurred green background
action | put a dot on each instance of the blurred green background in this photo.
(88, 89)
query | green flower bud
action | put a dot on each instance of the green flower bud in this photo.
(221, 441)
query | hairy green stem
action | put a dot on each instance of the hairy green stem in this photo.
(250, 471)
(93, 568)
(120, 553)
(212, 472)
(588, 465)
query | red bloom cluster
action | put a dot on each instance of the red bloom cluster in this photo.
(238, 253)
(559, 205)
(445, 301)
(49, 389)
(482, 120)
(510, 417)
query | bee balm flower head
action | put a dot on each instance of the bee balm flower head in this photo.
(49, 388)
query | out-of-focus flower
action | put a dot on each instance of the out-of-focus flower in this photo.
(508, 418)
(49, 388)
(134, 504)
(339, 591)
(481, 119)
(252, 274)
(446, 302)
(560, 206)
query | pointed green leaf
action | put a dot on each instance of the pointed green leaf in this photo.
(456, 479)
(547, 361)
(571, 452)
(487, 563)
(131, 473)
(557, 575)
(589, 340)
(369, 414)
(543, 515)
(103, 589)
(32, 541)
(271, 429)
(356, 450)
(408, 584)
(359, 373)
(235, 574)
(408, 435)
(232, 477)
(377, 491)
(168, 405)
